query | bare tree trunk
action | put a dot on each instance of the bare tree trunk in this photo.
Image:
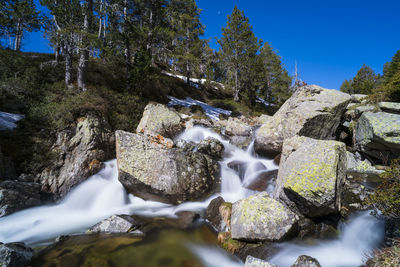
(236, 94)
(127, 51)
(68, 64)
(84, 50)
(150, 36)
(18, 37)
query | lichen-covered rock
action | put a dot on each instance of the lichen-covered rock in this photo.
(81, 150)
(306, 261)
(15, 255)
(312, 111)
(261, 218)
(159, 119)
(212, 147)
(116, 224)
(390, 107)
(150, 170)
(218, 214)
(378, 135)
(255, 262)
(311, 175)
(236, 126)
(361, 169)
(15, 196)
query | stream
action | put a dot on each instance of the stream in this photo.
(102, 195)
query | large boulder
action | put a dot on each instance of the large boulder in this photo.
(378, 135)
(15, 255)
(159, 119)
(312, 111)
(311, 175)
(15, 196)
(81, 150)
(218, 214)
(237, 127)
(151, 170)
(261, 218)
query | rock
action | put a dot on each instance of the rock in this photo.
(254, 262)
(81, 149)
(361, 170)
(358, 98)
(236, 127)
(311, 175)
(365, 108)
(241, 142)
(15, 255)
(212, 147)
(306, 261)
(261, 182)
(15, 196)
(311, 111)
(263, 119)
(390, 107)
(159, 119)
(218, 214)
(261, 218)
(378, 135)
(116, 224)
(239, 167)
(151, 170)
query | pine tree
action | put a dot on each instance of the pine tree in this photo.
(19, 16)
(347, 86)
(188, 47)
(391, 79)
(365, 81)
(274, 79)
(238, 50)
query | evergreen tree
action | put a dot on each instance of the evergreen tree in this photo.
(391, 79)
(238, 51)
(347, 86)
(19, 16)
(274, 79)
(365, 81)
(188, 49)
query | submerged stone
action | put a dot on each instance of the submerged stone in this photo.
(255, 262)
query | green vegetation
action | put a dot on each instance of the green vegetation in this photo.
(384, 87)
(386, 197)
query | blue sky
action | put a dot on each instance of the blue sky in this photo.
(329, 39)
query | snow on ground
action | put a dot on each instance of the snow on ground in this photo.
(8, 120)
(210, 111)
(262, 101)
(193, 81)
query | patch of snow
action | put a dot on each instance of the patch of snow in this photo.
(8, 120)
(264, 102)
(193, 81)
(212, 112)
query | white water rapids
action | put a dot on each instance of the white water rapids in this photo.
(102, 195)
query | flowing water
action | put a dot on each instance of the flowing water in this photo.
(102, 196)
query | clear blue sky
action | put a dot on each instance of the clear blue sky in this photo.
(329, 39)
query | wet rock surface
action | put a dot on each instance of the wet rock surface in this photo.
(15, 196)
(306, 261)
(255, 262)
(116, 224)
(15, 255)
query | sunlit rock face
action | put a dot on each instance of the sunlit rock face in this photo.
(159, 119)
(152, 169)
(311, 175)
(312, 111)
(80, 149)
(378, 134)
(261, 218)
